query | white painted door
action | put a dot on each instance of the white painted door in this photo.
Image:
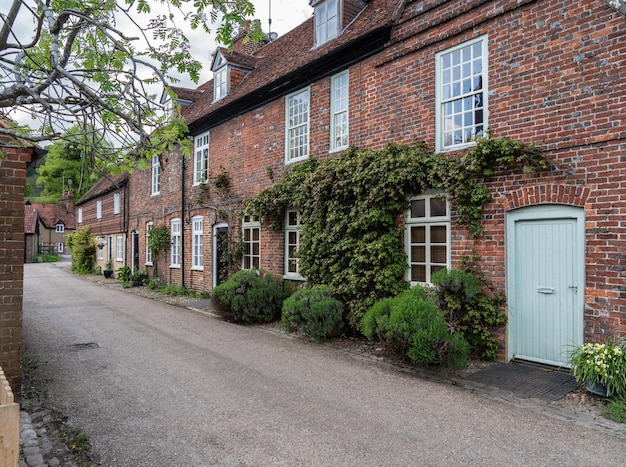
(545, 282)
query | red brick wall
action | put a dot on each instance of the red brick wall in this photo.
(12, 181)
(556, 77)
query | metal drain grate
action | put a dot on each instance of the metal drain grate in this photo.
(527, 381)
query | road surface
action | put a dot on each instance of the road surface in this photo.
(157, 385)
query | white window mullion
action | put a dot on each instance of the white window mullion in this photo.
(427, 237)
(197, 243)
(201, 159)
(461, 94)
(339, 111)
(297, 126)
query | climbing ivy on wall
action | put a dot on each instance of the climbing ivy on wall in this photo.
(350, 207)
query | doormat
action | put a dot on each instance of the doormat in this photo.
(527, 381)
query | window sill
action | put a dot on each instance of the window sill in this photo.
(293, 161)
(294, 278)
(197, 268)
(336, 150)
(175, 266)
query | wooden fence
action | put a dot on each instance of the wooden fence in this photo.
(9, 425)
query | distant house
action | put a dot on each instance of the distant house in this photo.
(377, 72)
(47, 225)
(105, 209)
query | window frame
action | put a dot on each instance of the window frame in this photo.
(99, 209)
(60, 227)
(197, 243)
(250, 224)
(323, 28)
(149, 226)
(79, 216)
(336, 110)
(441, 101)
(428, 221)
(297, 230)
(117, 203)
(292, 128)
(155, 186)
(175, 235)
(119, 248)
(221, 79)
(201, 158)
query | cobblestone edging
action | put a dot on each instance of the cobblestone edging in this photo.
(41, 444)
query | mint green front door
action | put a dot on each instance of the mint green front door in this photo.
(545, 282)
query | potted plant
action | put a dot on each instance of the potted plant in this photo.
(601, 367)
(108, 269)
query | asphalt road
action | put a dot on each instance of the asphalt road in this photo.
(156, 385)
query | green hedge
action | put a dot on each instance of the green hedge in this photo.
(411, 325)
(314, 312)
(251, 296)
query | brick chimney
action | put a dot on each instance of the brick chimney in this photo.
(67, 200)
(250, 47)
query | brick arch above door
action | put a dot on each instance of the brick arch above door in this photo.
(552, 193)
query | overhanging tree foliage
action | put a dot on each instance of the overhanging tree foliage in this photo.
(69, 164)
(93, 63)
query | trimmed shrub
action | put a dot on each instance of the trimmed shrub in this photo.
(251, 296)
(314, 312)
(83, 249)
(468, 310)
(410, 325)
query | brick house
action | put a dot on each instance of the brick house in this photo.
(46, 226)
(369, 73)
(16, 156)
(105, 209)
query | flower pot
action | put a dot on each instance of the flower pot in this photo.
(107, 273)
(598, 389)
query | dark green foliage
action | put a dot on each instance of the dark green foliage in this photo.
(616, 410)
(314, 312)
(138, 278)
(154, 284)
(410, 325)
(251, 296)
(83, 248)
(123, 275)
(350, 205)
(470, 308)
(44, 258)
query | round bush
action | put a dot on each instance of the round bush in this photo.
(314, 312)
(251, 296)
(411, 325)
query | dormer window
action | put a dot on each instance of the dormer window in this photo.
(327, 20)
(220, 78)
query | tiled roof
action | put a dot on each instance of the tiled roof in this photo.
(104, 185)
(238, 58)
(52, 214)
(30, 219)
(291, 52)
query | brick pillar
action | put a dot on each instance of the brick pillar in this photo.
(12, 180)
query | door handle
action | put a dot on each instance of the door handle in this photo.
(574, 288)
